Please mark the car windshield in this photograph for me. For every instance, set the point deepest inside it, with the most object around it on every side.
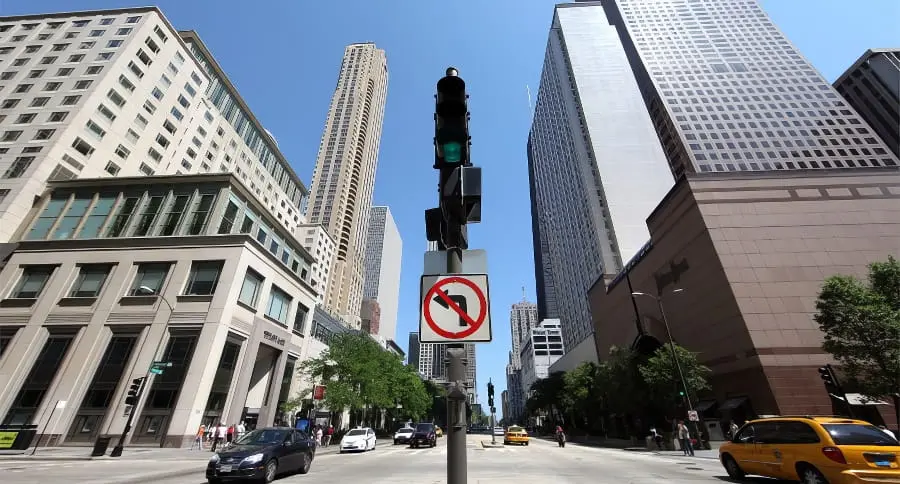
(356, 432)
(424, 428)
(263, 437)
(405, 430)
(857, 434)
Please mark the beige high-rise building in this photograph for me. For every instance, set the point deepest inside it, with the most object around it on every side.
(344, 177)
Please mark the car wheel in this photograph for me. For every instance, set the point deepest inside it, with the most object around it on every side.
(732, 468)
(305, 463)
(526, 443)
(271, 470)
(396, 443)
(810, 475)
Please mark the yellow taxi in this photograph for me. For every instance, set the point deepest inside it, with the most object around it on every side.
(813, 450)
(515, 435)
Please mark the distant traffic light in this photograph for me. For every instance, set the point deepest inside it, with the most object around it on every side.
(827, 374)
(135, 391)
(451, 122)
(490, 394)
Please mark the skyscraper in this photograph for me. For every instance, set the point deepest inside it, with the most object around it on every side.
(344, 177)
(412, 358)
(523, 316)
(648, 89)
(122, 93)
(384, 251)
(729, 92)
(595, 163)
(872, 86)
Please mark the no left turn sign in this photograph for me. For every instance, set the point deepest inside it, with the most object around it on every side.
(455, 308)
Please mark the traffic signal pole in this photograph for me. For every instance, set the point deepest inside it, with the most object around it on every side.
(459, 185)
(138, 391)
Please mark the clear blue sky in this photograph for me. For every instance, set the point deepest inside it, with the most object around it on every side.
(284, 55)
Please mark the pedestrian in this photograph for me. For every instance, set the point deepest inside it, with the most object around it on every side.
(733, 429)
(319, 435)
(657, 437)
(198, 439)
(215, 436)
(328, 433)
(684, 437)
(229, 434)
(241, 429)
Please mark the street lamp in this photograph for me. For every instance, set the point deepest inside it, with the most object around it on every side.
(144, 291)
(662, 312)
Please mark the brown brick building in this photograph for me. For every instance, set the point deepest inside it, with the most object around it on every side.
(750, 252)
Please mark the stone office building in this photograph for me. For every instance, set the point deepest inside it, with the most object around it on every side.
(749, 253)
(110, 275)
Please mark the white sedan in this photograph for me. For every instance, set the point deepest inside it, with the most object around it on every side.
(499, 431)
(358, 439)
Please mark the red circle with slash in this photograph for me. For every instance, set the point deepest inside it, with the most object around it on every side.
(474, 323)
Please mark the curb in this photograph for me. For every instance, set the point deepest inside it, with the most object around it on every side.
(29, 457)
(159, 475)
(488, 445)
(685, 456)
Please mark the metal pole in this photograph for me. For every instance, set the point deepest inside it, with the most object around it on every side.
(684, 385)
(456, 407)
(117, 450)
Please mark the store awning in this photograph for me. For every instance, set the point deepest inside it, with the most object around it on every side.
(732, 403)
(860, 399)
(705, 405)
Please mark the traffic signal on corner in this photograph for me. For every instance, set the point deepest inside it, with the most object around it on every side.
(135, 391)
(827, 374)
(490, 394)
(451, 122)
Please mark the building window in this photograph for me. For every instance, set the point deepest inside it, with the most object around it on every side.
(18, 167)
(174, 215)
(300, 318)
(101, 211)
(151, 211)
(82, 147)
(279, 305)
(32, 282)
(229, 218)
(149, 279)
(48, 217)
(250, 288)
(90, 280)
(204, 278)
(76, 211)
(112, 168)
(201, 214)
(117, 228)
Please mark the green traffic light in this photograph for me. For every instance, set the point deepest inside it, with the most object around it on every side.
(681, 394)
(452, 152)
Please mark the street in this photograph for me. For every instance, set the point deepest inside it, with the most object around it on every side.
(540, 462)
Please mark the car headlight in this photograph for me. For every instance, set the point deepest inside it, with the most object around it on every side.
(253, 459)
(214, 458)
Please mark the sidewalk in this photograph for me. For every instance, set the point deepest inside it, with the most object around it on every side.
(129, 453)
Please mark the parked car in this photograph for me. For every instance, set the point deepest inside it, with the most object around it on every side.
(403, 435)
(262, 454)
(358, 439)
(499, 432)
(425, 434)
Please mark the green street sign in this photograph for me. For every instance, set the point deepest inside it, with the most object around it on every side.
(156, 371)
(162, 364)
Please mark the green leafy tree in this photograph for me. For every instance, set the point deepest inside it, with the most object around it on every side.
(582, 387)
(861, 322)
(661, 375)
(624, 387)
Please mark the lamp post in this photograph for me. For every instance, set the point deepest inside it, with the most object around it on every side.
(675, 359)
(117, 450)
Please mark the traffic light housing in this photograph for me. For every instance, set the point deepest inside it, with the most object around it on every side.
(828, 376)
(135, 391)
(451, 122)
(490, 394)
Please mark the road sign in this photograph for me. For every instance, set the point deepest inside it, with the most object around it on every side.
(455, 308)
(162, 364)
(156, 371)
(692, 416)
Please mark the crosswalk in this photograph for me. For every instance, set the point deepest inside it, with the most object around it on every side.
(442, 450)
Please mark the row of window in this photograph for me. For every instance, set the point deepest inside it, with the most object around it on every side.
(151, 277)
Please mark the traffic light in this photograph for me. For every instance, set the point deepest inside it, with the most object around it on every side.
(451, 122)
(490, 394)
(135, 391)
(827, 374)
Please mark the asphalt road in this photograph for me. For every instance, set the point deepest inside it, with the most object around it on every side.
(540, 462)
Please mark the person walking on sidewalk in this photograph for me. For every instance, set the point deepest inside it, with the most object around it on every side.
(328, 433)
(198, 439)
(684, 437)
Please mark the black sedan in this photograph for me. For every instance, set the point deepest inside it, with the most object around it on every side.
(424, 435)
(261, 455)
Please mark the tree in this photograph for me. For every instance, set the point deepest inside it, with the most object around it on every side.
(361, 375)
(662, 379)
(861, 322)
(582, 386)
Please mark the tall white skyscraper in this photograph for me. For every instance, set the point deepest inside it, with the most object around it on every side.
(522, 317)
(122, 93)
(344, 177)
(384, 253)
(596, 166)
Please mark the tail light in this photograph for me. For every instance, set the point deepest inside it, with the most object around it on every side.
(834, 454)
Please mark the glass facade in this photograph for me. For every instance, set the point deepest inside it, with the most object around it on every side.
(34, 388)
(729, 92)
(218, 394)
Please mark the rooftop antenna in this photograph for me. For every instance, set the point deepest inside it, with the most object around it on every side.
(528, 90)
(524, 298)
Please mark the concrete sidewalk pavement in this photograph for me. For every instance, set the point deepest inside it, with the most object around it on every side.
(70, 453)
